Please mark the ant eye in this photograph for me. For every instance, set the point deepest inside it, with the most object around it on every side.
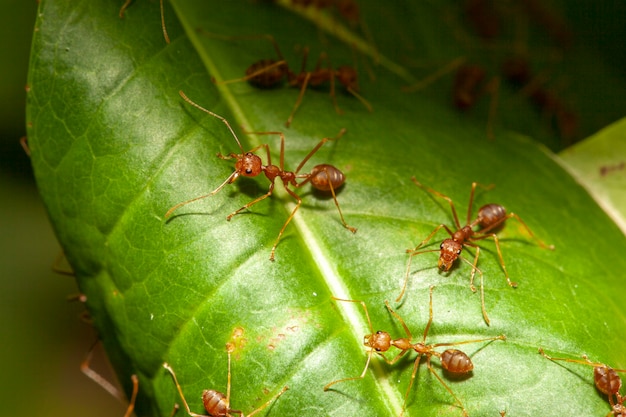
(458, 252)
(441, 246)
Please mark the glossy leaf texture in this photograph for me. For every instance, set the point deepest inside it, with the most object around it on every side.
(600, 164)
(114, 147)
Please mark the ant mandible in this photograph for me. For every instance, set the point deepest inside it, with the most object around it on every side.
(269, 73)
(452, 360)
(606, 379)
(490, 217)
(216, 403)
(323, 177)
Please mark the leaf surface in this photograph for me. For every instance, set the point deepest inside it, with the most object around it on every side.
(114, 147)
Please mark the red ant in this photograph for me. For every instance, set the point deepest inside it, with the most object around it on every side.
(452, 360)
(323, 177)
(165, 35)
(216, 403)
(269, 73)
(606, 379)
(489, 218)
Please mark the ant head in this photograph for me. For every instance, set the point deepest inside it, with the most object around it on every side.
(348, 77)
(248, 165)
(379, 341)
(450, 251)
(607, 380)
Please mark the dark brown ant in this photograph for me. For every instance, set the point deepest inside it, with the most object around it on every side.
(469, 85)
(323, 177)
(516, 71)
(489, 218)
(269, 73)
(606, 379)
(165, 35)
(452, 360)
(216, 403)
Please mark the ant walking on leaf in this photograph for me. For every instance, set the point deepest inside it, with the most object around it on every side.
(453, 361)
(269, 73)
(606, 379)
(216, 403)
(323, 177)
(489, 218)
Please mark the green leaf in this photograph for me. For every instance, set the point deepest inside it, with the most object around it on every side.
(114, 147)
(599, 163)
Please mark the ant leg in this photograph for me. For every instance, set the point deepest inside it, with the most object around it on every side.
(482, 283)
(371, 351)
(430, 314)
(408, 390)
(252, 74)
(445, 197)
(133, 397)
(367, 315)
(460, 404)
(267, 148)
(124, 7)
(305, 83)
(165, 35)
(362, 99)
(367, 364)
(96, 377)
(275, 397)
(530, 232)
(446, 69)
(397, 316)
(414, 252)
(471, 199)
(217, 116)
(497, 242)
(316, 148)
(229, 180)
(294, 195)
(332, 191)
(253, 202)
(24, 144)
(180, 391)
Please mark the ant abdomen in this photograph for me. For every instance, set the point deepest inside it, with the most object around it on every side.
(269, 73)
(456, 361)
(324, 175)
(490, 214)
(607, 380)
(216, 403)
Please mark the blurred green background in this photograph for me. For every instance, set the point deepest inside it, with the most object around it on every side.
(44, 339)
